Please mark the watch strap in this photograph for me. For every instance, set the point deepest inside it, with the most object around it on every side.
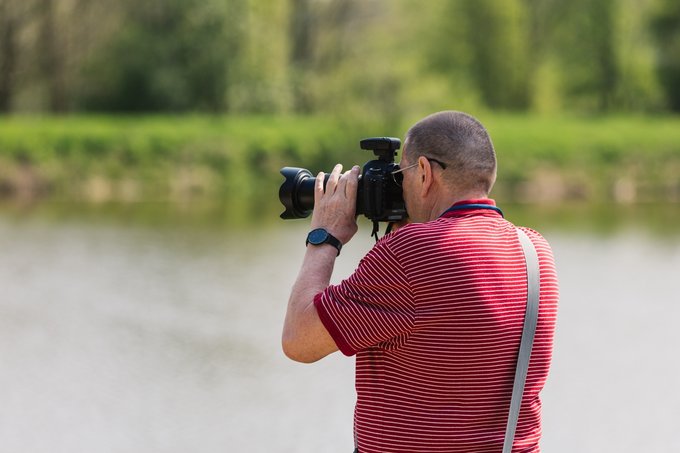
(329, 239)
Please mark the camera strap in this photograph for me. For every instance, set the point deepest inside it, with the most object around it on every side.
(527, 341)
(374, 233)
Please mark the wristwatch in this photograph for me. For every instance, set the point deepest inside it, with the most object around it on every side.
(320, 236)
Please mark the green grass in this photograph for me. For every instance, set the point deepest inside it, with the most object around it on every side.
(594, 158)
(135, 158)
(161, 155)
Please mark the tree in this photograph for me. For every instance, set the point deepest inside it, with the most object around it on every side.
(302, 38)
(666, 28)
(11, 20)
(320, 44)
(484, 44)
(170, 55)
(52, 56)
(586, 45)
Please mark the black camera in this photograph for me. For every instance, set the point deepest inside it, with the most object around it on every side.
(379, 195)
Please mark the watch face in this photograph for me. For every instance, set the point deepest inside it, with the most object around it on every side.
(317, 236)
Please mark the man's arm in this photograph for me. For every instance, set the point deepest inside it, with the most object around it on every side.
(305, 339)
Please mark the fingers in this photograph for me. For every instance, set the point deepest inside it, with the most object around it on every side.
(338, 183)
(318, 187)
(333, 179)
(351, 182)
(342, 183)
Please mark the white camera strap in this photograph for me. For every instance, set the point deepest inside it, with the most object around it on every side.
(528, 333)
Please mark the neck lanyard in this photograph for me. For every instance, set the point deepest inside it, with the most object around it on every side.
(462, 207)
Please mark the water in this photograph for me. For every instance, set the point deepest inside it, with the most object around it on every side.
(134, 336)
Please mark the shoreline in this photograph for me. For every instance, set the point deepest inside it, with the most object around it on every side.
(128, 159)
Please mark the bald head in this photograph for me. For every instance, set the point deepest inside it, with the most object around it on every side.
(461, 143)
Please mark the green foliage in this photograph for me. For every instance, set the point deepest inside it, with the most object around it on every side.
(479, 46)
(341, 57)
(593, 58)
(499, 55)
(170, 55)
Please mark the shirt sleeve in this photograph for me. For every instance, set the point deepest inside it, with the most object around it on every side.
(373, 307)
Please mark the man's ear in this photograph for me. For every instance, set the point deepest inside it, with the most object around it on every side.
(426, 175)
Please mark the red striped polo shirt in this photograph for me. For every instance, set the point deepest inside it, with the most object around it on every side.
(434, 313)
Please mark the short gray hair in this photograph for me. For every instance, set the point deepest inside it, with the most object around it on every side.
(461, 142)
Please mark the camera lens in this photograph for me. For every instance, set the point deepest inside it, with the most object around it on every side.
(297, 192)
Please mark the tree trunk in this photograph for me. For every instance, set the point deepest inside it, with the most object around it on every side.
(52, 59)
(8, 55)
(301, 53)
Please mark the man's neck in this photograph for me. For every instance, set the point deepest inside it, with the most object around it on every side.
(444, 202)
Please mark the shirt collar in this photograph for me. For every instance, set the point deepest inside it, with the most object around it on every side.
(472, 206)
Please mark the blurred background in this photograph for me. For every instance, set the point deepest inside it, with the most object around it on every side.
(145, 272)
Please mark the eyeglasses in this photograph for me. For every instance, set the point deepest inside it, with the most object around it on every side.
(398, 177)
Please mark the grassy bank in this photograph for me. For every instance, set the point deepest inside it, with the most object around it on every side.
(106, 158)
(608, 158)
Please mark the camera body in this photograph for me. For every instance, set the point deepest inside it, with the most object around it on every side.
(379, 195)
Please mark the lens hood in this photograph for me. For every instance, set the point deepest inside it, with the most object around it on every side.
(295, 195)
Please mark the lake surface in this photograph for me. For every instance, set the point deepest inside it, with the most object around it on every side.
(123, 334)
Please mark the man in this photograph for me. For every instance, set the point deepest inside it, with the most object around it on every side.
(434, 312)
